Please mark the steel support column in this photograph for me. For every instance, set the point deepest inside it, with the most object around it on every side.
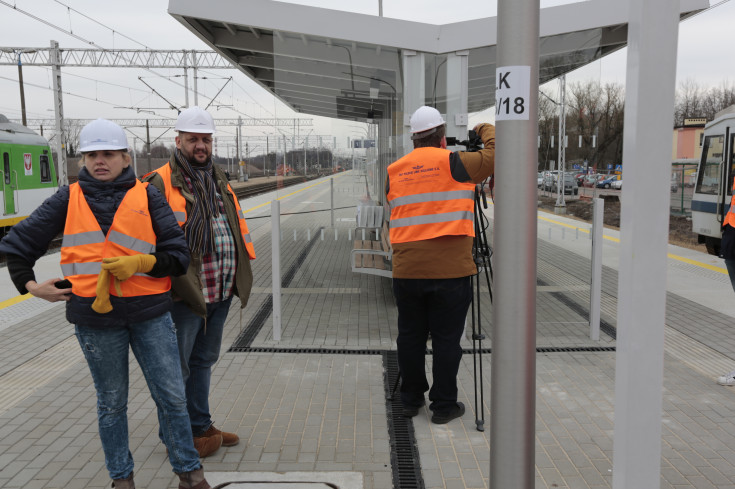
(414, 92)
(513, 383)
(457, 93)
(649, 115)
(59, 114)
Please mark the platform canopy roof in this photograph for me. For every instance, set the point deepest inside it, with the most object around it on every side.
(343, 65)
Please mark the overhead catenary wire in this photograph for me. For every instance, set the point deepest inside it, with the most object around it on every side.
(86, 41)
(101, 24)
(70, 32)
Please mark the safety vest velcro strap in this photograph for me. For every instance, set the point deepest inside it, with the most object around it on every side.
(85, 268)
(432, 197)
(431, 219)
(130, 242)
(247, 238)
(80, 239)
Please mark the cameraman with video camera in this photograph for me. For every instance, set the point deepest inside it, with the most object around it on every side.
(431, 196)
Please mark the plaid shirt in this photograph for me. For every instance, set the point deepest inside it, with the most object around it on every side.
(218, 268)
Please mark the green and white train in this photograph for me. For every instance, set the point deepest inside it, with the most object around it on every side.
(27, 172)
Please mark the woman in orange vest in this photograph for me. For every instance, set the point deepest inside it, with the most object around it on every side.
(121, 244)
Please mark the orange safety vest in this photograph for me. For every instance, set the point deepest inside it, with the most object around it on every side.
(730, 217)
(425, 201)
(84, 246)
(178, 204)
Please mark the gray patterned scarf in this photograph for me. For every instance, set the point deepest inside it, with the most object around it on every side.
(198, 228)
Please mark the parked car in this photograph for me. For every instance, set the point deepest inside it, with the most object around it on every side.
(550, 183)
(540, 179)
(607, 180)
(617, 184)
(591, 180)
(580, 178)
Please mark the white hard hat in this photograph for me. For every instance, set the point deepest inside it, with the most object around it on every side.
(424, 119)
(195, 119)
(102, 134)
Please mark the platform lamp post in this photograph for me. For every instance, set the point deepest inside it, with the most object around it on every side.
(513, 383)
(560, 204)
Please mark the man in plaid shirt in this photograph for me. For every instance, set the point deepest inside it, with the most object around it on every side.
(221, 249)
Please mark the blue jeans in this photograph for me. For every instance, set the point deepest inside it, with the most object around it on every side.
(154, 345)
(199, 344)
(439, 307)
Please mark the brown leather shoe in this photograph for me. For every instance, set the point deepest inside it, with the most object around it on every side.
(126, 483)
(193, 480)
(228, 439)
(207, 445)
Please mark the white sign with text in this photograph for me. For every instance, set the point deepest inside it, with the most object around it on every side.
(512, 93)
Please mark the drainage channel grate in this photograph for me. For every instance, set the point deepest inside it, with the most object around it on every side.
(318, 351)
(345, 351)
(605, 327)
(246, 338)
(404, 453)
(548, 349)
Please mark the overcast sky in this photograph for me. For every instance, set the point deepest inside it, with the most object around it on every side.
(705, 56)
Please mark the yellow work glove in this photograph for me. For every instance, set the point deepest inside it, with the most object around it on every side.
(124, 267)
(102, 303)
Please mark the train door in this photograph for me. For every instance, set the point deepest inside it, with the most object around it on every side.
(9, 184)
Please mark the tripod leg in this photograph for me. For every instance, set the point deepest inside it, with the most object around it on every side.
(477, 358)
(481, 254)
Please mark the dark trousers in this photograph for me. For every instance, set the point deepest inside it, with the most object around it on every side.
(439, 307)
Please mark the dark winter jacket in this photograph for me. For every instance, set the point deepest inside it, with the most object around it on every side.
(29, 239)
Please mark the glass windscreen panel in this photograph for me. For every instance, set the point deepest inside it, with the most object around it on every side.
(708, 180)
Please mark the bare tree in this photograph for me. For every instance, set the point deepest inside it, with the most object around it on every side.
(548, 120)
(72, 129)
(583, 119)
(161, 150)
(689, 102)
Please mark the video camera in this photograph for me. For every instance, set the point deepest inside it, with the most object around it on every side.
(472, 143)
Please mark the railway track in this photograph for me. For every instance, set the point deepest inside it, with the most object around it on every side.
(261, 188)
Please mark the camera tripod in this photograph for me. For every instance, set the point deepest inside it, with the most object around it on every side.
(481, 254)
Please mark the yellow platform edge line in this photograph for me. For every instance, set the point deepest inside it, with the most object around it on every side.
(682, 259)
(14, 300)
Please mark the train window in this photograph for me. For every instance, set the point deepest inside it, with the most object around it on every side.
(6, 167)
(708, 179)
(45, 171)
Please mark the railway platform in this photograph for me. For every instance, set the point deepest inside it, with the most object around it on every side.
(311, 408)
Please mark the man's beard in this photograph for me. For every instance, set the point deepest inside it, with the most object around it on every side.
(194, 162)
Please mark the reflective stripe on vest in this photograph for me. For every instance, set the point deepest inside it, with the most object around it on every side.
(244, 231)
(84, 245)
(178, 204)
(730, 216)
(425, 201)
(173, 194)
